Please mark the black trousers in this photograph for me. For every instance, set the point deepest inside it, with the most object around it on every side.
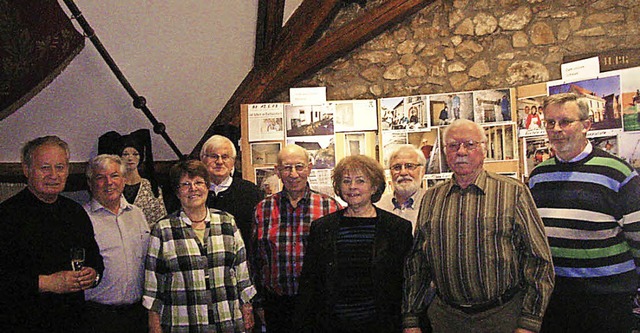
(100, 318)
(279, 312)
(589, 313)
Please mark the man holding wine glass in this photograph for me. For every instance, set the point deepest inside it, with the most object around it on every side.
(39, 227)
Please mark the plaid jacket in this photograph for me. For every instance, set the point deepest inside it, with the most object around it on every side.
(176, 275)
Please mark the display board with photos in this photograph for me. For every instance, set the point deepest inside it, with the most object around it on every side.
(336, 129)
(614, 109)
(329, 132)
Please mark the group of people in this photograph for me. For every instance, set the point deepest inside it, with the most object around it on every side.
(479, 253)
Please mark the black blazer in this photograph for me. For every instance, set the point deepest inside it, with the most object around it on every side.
(317, 294)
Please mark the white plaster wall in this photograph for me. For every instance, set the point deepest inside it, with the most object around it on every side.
(185, 56)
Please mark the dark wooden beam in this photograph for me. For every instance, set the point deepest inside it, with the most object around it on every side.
(269, 25)
(297, 54)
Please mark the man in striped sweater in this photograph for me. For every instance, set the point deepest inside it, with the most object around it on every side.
(589, 201)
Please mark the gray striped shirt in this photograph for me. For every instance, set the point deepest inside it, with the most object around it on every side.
(477, 243)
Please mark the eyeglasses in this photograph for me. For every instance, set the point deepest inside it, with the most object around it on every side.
(357, 181)
(187, 185)
(408, 166)
(468, 145)
(215, 157)
(551, 124)
(286, 169)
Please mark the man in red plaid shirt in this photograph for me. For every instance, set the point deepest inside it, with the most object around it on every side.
(280, 235)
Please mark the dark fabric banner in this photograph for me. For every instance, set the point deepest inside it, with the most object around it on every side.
(37, 41)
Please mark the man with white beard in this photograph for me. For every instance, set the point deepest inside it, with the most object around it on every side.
(407, 165)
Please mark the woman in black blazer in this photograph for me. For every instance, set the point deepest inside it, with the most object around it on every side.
(352, 275)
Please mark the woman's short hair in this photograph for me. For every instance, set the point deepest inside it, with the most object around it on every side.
(366, 165)
(190, 168)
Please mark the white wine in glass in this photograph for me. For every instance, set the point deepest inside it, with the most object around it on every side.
(77, 258)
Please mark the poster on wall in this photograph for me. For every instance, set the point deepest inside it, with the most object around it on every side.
(265, 122)
(630, 100)
(606, 143)
(321, 149)
(492, 106)
(308, 120)
(354, 115)
(446, 108)
(601, 95)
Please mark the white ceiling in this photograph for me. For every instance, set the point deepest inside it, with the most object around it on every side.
(186, 57)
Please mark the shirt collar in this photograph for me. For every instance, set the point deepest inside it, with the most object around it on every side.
(124, 205)
(410, 203)
(184, 218)
(479, 184)
(223, 186)
(585, 152)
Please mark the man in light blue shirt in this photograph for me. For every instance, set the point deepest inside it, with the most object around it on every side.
(122, 234)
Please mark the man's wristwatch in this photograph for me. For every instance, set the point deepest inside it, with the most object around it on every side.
(96, 281)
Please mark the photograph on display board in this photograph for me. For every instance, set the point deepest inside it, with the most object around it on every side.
(530, 116)
(354, 144)
(267, 180)
(607, 143)
(428, 143)
(601, 95)
(320, 180)
(308, 120)
(355, 115)
(446, 108)
(435, 179)
(630, 85)
(492, 106)
(500, 145)
(390, 141)
(321, 149)
(629, 148)
(416, 108)
(536, 150)
(265, 121)
(392, 115)
(265, 153)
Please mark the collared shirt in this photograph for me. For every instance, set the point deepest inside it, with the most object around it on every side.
(281, 236)
(407, 210)
(476, 244)
(217, 188)
(179, 268)
(583, 154)
(123, 239)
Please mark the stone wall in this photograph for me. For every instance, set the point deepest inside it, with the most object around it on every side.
(460, 45)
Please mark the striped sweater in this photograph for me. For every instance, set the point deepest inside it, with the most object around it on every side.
(591, 212)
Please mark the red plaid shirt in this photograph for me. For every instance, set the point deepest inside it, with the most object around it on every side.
(280, 236)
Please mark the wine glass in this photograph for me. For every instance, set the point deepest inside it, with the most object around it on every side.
(77, 258)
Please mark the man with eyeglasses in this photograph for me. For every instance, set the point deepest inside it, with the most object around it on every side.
(282, 224)
(480, 240)
(589, 201)
(233, 195)
(407, 166)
